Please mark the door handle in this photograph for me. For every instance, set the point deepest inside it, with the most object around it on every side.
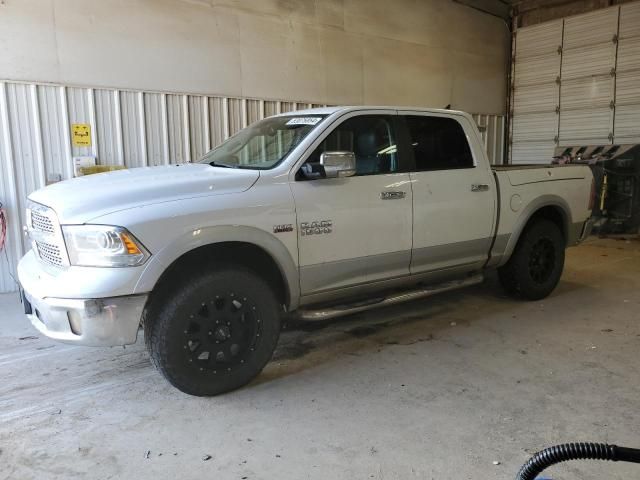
(392, 195)
(479, 187)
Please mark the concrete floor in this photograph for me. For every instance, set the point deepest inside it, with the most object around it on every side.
(437, 389)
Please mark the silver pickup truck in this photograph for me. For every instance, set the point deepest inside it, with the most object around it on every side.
(319, 213)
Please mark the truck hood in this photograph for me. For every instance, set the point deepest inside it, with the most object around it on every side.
(85, 198)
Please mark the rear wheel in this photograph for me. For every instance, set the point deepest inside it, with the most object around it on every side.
(214, 333)
(536, 265)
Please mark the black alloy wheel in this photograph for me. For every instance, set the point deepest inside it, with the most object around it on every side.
(215, 332)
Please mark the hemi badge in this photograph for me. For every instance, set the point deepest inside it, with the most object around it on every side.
(287, 227)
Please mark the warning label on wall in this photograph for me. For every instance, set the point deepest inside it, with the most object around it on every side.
(81, 134)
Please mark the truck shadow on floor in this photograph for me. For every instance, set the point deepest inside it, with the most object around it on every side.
(305, 345)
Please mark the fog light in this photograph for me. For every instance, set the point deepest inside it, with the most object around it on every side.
(92, 307)
(75, 322)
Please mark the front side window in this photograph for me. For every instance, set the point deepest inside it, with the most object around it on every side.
(264, 144)
(370, 137)
(438, 143)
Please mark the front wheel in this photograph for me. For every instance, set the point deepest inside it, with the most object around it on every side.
(215, 332)
(535, 266)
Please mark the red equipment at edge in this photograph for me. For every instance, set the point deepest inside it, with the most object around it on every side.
(3, 227)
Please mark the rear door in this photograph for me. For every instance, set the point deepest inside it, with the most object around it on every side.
(355, 230)
(453, 194)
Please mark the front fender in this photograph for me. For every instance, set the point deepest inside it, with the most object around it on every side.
(191, 240)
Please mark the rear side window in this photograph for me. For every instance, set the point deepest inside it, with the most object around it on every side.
(438, 143)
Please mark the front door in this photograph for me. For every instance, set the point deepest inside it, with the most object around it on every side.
(354, 230)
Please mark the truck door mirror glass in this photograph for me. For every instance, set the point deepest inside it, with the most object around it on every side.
(338, 164)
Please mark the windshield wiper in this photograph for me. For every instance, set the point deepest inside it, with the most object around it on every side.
(223, 165)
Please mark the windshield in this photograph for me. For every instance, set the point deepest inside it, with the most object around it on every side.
(264, 144)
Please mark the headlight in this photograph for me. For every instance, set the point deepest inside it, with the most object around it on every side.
(103, 246)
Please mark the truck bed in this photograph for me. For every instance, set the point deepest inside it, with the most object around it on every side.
(536, 173)
(523, 189)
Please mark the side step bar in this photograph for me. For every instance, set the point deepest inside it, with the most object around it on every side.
(346, 309)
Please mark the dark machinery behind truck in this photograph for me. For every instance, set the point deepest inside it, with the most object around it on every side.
(616, 170)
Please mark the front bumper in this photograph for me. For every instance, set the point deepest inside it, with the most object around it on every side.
(70, 305)
(102, 322)
(586, 229)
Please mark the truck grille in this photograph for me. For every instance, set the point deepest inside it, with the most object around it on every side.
(41, 222)
(49, 253)
(46, 235)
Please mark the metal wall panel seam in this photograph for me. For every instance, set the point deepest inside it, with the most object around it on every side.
(244, 113)
(64, 108)
(205, 123)
(143, 129)
(91, 103)
(502, 143)
(37, 129)
(494, 143)
(165, 128)
(187, 132)
(225, 117)
(118, 122)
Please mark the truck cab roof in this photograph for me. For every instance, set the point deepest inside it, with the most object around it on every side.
(355, 108)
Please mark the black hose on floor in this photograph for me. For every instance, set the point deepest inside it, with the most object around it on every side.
(575, 451)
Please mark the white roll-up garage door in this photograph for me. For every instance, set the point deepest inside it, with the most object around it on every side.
(596, 89)
(587, 78)
(536, 92)
(627, 116)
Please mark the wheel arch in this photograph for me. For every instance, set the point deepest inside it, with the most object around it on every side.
(551, 207)
(247, 246)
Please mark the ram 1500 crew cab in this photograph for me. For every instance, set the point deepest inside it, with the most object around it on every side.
(319, 212)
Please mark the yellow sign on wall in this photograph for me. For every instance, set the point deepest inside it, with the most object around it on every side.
(81, 134)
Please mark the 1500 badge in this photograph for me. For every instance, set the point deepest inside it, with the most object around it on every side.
(316, 228)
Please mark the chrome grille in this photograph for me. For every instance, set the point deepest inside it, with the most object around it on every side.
(49, 253)
(46, 235)
(41, 222)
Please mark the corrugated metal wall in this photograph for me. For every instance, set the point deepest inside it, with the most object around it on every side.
(492, 129)
(130, 128)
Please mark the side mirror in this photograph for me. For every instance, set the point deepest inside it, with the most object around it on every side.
(338, 164)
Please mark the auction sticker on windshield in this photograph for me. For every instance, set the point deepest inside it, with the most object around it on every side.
(304, 121)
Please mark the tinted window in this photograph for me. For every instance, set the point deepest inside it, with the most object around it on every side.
(370, 137)
(438, 143)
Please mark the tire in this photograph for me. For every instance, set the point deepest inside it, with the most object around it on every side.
(215, 332)
(536, 265)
